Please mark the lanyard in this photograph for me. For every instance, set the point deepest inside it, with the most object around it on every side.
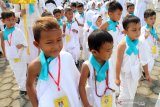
(58, 80)
(9, 42)
(107, 87)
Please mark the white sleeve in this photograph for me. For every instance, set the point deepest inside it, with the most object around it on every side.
(144, 59)
(21, 37)
(17, 10)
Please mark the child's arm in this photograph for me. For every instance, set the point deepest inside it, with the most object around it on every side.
(2, 44)
(82, 85)
(120, 53)
(33, 72)
(82, 25)
(145, 68)
(104, 26)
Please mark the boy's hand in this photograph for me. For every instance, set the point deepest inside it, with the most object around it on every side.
(118, 82)
(23, 12)
(147, 32)
(148, 78)
(19, 46)
(74, 30)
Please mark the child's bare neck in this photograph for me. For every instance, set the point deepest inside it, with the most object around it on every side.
(101, 62)
(69, 20)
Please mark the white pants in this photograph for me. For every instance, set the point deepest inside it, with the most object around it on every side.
(20, 72)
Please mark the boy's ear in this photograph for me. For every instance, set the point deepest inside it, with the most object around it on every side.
(94, 52)
(36, 44)
(3, 20)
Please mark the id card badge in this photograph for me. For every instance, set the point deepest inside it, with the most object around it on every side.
(68, 38)
(106, 101)
(61, 102)
(154, 49)
(16, 60)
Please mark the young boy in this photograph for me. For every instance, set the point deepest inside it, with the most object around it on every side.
(58, 76)
(148, 34)
(14, 47)
(46, 14)
(112, 26)
(96, 72)
(74, 8)
(80, 19)
(57, 15)
(131, 55)
(130, 8)
(71, 39)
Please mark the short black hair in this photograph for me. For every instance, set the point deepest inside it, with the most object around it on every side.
(130, 5)
(7, 14)
(56, 11)
(80, 5)
(73, 4)
(67, 9)
(129, 19)
(44, 14)
(97, 38)
(149, 12)
(114, 5)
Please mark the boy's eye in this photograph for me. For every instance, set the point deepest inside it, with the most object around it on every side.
(48, 42)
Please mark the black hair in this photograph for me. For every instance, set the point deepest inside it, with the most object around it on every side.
(73, 4)
(56, 11)
(114, 5)
(51, 1)
(148, 13)
(130, 19)
(97, 38)
(7, 14)
(130, 5)
(44, 14)
(80, 5)
(67, 9)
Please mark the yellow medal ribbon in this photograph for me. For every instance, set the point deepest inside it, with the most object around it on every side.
(68, 38)
(25, 29)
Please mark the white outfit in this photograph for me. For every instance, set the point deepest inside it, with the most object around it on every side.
(80, 20)
(12, 53)
(150, 42)
(140, 7)
(47, 90)
(30, 19)
(72, 45)
(50, 7)
(117, 37)
(93, 99)
(130, 75)
(41, 6)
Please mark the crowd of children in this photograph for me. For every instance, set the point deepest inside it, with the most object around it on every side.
(116, 40)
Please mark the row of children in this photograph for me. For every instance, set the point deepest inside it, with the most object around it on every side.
(111, 54)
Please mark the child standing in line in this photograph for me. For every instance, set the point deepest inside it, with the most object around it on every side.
(14, 46)
(112, 26)
(58, 76)
(57, 15)
(130, 9)
(96, 72)
(131, 55)
(148, 34)
(80, 19)
(71, 38)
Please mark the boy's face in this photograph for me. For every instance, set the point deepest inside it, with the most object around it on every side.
(130, 9)
(99, 21)
(93, 6)
(151, 20)
(9, 22)
(133, 30)
(80, 10)
(50, 42)
(57, 16)
(104, 52)
(69, 15)
(116, 15)
(73, 8)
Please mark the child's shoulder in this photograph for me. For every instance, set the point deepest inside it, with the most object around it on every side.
(65, 55)
(35, 66)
